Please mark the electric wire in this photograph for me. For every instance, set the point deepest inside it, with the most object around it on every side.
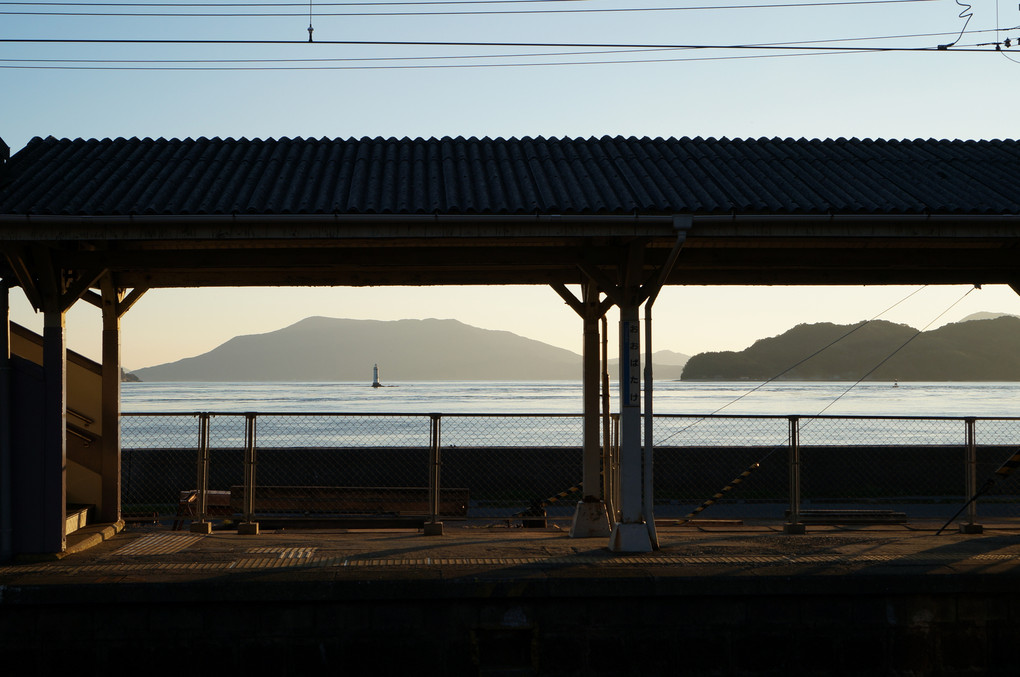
(448, 13)
(813, 48)
(421, 66)
(998, 41)
(452, 43)
(797, 364)
(311, 60)
(807, 49)
(278, 4)
(755, 466)
(335, 59)
(890, 356)
(966, 13)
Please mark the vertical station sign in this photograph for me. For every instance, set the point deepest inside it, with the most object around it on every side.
(632, 367)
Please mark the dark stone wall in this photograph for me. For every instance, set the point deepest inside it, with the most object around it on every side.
(684, 476)
(903, 626)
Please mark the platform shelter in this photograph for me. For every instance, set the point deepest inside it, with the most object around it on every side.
(103, 221)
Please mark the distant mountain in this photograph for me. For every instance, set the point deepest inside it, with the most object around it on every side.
(974, 350)
(986, 316)
(329, 349)
(669, 358)
(667, 365)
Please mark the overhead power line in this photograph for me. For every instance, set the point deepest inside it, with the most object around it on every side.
(436, 43)
(279, 4)
(443, 66)
(505, 55)
(470, 12)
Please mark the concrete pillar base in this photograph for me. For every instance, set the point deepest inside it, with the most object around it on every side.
(794, 529)
(248, 529)
(433, 528)
(972, 529)
(200, 528)
(631, 537)
(591, 520)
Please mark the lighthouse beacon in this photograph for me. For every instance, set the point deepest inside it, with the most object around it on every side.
(375, 377)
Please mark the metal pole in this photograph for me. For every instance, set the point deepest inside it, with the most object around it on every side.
(6, 498)
(590, 378)
(971, 526)
(434, 527)
(648, 455)
(201, 526)
(681, 224)
(615, 451)
(608, 458)
(249, 526)
(630, 534)
(591, 518)
(793, 525)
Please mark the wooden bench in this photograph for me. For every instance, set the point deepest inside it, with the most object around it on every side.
(304, 500)
(855, 517)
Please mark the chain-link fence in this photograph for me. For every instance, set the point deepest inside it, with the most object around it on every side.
(505, 467)
(910, 466)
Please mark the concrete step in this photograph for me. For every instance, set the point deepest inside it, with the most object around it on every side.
(77, 517)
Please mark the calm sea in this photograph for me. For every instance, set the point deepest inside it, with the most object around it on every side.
(564, 397)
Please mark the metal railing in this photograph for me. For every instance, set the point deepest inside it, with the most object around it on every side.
(497, 467)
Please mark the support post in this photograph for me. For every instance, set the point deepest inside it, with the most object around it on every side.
(648, 449)
(609, 469)
(202, 525)
(591, 520)
(54, 491)
(971, 526)
(249, 527)
(434, 527)
(110, 505)
(6, 453)
(630, 534)
(793, 524)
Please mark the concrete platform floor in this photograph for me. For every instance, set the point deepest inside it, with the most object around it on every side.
(152, 554)
(718, 599)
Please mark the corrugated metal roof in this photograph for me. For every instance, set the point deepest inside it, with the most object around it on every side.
(609, 175)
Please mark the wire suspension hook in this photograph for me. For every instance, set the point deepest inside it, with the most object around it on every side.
(966, 13)
(310, 28)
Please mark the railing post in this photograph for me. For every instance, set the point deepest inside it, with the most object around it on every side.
(433, 527)
(793, 524)
(613, 459)
(202, 525)
(971, 526)
(249, 526)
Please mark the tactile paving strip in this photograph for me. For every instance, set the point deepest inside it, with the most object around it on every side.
(285, 553)
(158, 544)
(300, 557)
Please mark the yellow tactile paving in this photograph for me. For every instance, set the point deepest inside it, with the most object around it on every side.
(159, 544)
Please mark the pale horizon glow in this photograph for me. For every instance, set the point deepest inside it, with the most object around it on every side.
(170, 324)
(889, 95)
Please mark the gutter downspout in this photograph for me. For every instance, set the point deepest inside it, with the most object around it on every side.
(681, 225)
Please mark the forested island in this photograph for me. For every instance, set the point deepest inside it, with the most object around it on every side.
(972, 350)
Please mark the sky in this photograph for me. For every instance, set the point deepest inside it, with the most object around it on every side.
(157, 89)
